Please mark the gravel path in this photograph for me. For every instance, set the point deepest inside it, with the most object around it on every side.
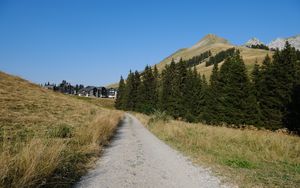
(136, 158)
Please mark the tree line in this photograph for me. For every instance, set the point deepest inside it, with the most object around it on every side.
(196, 60)
(269, 97)
(219, 57)
(259, 46)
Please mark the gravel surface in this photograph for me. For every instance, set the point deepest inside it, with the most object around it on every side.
(136, 158)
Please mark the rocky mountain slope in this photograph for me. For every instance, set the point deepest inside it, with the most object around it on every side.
(280, 42)
(253, 42)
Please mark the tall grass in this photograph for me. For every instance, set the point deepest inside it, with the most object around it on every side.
(249, 158)
(48, 139)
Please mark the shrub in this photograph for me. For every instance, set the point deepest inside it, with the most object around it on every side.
(62, 131)
(159, 116)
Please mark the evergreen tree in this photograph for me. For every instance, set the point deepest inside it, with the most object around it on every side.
(179, 82)
(292, 119)
(119, 104)
(128, 100)
(167, 99)
(135, 90)
(156, 86)
(236, 101)
(276, 87)
(293, 116)
(147, 92)
(211, 111)
(193, 96)
(255, 82)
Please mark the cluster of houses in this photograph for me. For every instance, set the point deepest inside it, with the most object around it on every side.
(80, 90)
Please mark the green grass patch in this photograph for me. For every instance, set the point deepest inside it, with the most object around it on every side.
(238, 163)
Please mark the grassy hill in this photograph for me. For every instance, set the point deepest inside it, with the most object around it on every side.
(48, 138)
(215, 44)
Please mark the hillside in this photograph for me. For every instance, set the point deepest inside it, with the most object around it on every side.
(46, 137)
(215, 44)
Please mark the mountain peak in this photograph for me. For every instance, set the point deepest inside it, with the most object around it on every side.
(280, 42)
(210, 39)
(253, 41)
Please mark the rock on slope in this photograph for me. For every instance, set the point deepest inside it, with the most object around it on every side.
(280, 42)
(253, 41)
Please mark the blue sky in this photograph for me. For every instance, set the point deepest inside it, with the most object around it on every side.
(94, 42)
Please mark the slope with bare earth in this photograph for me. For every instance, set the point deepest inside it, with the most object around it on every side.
(48, 138)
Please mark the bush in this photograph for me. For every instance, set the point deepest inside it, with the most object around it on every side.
(62, 131)
(159, 116)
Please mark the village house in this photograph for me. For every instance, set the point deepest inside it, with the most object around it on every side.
(112, 93)
(49, 86)
(92, 91)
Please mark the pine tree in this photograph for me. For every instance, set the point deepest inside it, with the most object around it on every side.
(147, 92)
(156, 86)
(235, 96)
(255, 87)
(292, 118)
(135, 87)
(211, 110)
(178, 89)
(119, 104)
(276, 87)
(128, 93)
(167, 99)
(193, 96)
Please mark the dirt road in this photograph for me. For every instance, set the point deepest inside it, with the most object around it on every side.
(136, 158)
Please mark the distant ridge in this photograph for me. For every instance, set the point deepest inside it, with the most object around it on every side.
(280, 42)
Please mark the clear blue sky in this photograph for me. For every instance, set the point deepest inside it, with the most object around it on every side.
(94, 42)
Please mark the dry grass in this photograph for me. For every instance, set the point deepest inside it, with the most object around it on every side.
(101, 102)
(249, 158)
(48, 139)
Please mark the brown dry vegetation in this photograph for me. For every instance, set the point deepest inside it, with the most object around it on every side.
(249, 158)
(101, 102)
(48, 139)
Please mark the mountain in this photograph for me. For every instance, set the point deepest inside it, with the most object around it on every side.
(280, 42)
(215, 44)
(253, 42)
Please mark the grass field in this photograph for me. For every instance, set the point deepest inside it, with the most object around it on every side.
(46, 138)
(101, 102)
(248, 158)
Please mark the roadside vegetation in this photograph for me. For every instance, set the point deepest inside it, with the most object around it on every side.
(101, 102)
(48, 139)
(248, 158)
